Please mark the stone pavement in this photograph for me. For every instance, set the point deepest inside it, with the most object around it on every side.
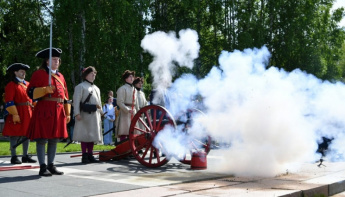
(129, 178)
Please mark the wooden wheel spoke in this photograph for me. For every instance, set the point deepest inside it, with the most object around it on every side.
(145, 125)
(149, 120)
(160, 120)
(154, 118)
(145, 153)
(154, 152)
(139, 129)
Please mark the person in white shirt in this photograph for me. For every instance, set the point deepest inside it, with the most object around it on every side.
(109, 114)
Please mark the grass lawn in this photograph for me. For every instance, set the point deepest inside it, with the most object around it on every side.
(5, 148)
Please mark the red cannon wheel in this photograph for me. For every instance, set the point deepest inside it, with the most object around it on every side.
(194, 144)
(145, 125)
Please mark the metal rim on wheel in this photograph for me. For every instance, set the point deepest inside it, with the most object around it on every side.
(145, 125)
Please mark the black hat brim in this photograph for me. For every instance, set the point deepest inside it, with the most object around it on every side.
(17, 66)
(56, 52)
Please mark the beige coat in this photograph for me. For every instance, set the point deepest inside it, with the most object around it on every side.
(89, 128)
(141, 102)
(124, 99)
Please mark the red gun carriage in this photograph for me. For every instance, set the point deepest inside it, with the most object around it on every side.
(154, 119)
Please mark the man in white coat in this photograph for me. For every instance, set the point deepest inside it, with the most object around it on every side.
(141, 99)
(126, 96)
(88, 124)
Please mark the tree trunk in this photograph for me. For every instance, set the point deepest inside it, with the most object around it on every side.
(82, 49)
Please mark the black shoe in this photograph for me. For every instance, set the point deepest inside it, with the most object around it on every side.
(52, 169)
(92, 159)
(85, 158)
(15, 160)
(27, 159)
(44, 171)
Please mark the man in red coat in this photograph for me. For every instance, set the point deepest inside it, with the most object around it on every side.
(19, 106)
(52, 112)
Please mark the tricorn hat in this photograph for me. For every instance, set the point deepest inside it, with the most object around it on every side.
(17, 66)
(56, 52)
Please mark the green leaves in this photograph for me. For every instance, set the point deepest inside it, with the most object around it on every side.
(107, 34)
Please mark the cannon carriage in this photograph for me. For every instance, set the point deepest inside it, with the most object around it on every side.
(146, 125)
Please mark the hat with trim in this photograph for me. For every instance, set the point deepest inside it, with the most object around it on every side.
(17, 66)
(56, 52)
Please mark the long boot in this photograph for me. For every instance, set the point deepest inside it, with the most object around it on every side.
(92, 159)
(43, 170)
(85, 158)
(52, 169)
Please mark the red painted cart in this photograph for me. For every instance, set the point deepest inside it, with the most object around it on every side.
(145, 126)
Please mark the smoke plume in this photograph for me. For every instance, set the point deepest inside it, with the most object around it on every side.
(169, 51)
(271, 120)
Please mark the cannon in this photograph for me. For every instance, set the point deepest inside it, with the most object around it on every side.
(147, 123)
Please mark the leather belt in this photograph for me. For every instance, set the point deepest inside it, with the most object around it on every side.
(59, 100)
(26, 103)
(128, 105)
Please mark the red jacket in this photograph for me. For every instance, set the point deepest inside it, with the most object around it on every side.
(48, 120)
(15, 94)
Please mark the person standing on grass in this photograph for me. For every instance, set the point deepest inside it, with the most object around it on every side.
(19, 106)
(52, 112)
(87, 111)
(109, 114)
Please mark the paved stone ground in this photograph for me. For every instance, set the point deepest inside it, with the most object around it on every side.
(129, 178)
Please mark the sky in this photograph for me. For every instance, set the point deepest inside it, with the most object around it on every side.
(338, 4)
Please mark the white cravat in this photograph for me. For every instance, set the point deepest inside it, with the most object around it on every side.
(20, 80)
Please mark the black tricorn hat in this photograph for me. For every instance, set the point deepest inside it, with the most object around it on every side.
(17, 66)
(45, 53)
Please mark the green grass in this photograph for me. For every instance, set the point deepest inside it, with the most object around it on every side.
(5, 148)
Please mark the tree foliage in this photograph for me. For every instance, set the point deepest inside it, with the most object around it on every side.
(107, 34)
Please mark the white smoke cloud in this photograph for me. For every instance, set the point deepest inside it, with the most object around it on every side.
(168, 52)
(271, 118)
(259, 112)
